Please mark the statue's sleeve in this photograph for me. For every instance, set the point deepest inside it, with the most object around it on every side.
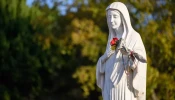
(100, 70)
(139, 73)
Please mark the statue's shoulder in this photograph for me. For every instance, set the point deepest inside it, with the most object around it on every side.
(135, 34)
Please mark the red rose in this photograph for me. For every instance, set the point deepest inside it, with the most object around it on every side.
(114, 41)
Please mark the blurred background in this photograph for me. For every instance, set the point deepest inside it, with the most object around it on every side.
(49, 48)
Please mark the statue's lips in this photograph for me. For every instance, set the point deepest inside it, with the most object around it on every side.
(112, 24)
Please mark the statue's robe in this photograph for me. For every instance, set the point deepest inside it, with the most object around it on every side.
(118, 79)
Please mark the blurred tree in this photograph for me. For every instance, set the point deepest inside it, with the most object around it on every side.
(27, 46)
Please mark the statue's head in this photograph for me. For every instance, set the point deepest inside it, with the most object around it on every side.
(117, 18)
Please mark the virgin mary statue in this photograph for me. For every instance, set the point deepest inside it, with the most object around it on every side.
(121, 70)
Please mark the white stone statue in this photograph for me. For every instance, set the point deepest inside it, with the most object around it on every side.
(121, 71)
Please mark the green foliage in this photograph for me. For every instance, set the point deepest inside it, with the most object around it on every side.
(45, 55)
(91, 40)
(85, 76)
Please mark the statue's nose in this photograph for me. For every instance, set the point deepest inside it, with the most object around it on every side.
(112, 19)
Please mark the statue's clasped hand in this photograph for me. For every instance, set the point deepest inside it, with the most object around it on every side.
(132, 54)
(125, 51)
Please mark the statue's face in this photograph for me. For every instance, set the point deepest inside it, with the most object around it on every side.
(114, 19)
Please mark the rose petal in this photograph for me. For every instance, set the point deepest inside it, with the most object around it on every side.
(113, 42)
(115, 39)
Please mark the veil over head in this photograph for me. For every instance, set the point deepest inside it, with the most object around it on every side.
(124, 14)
